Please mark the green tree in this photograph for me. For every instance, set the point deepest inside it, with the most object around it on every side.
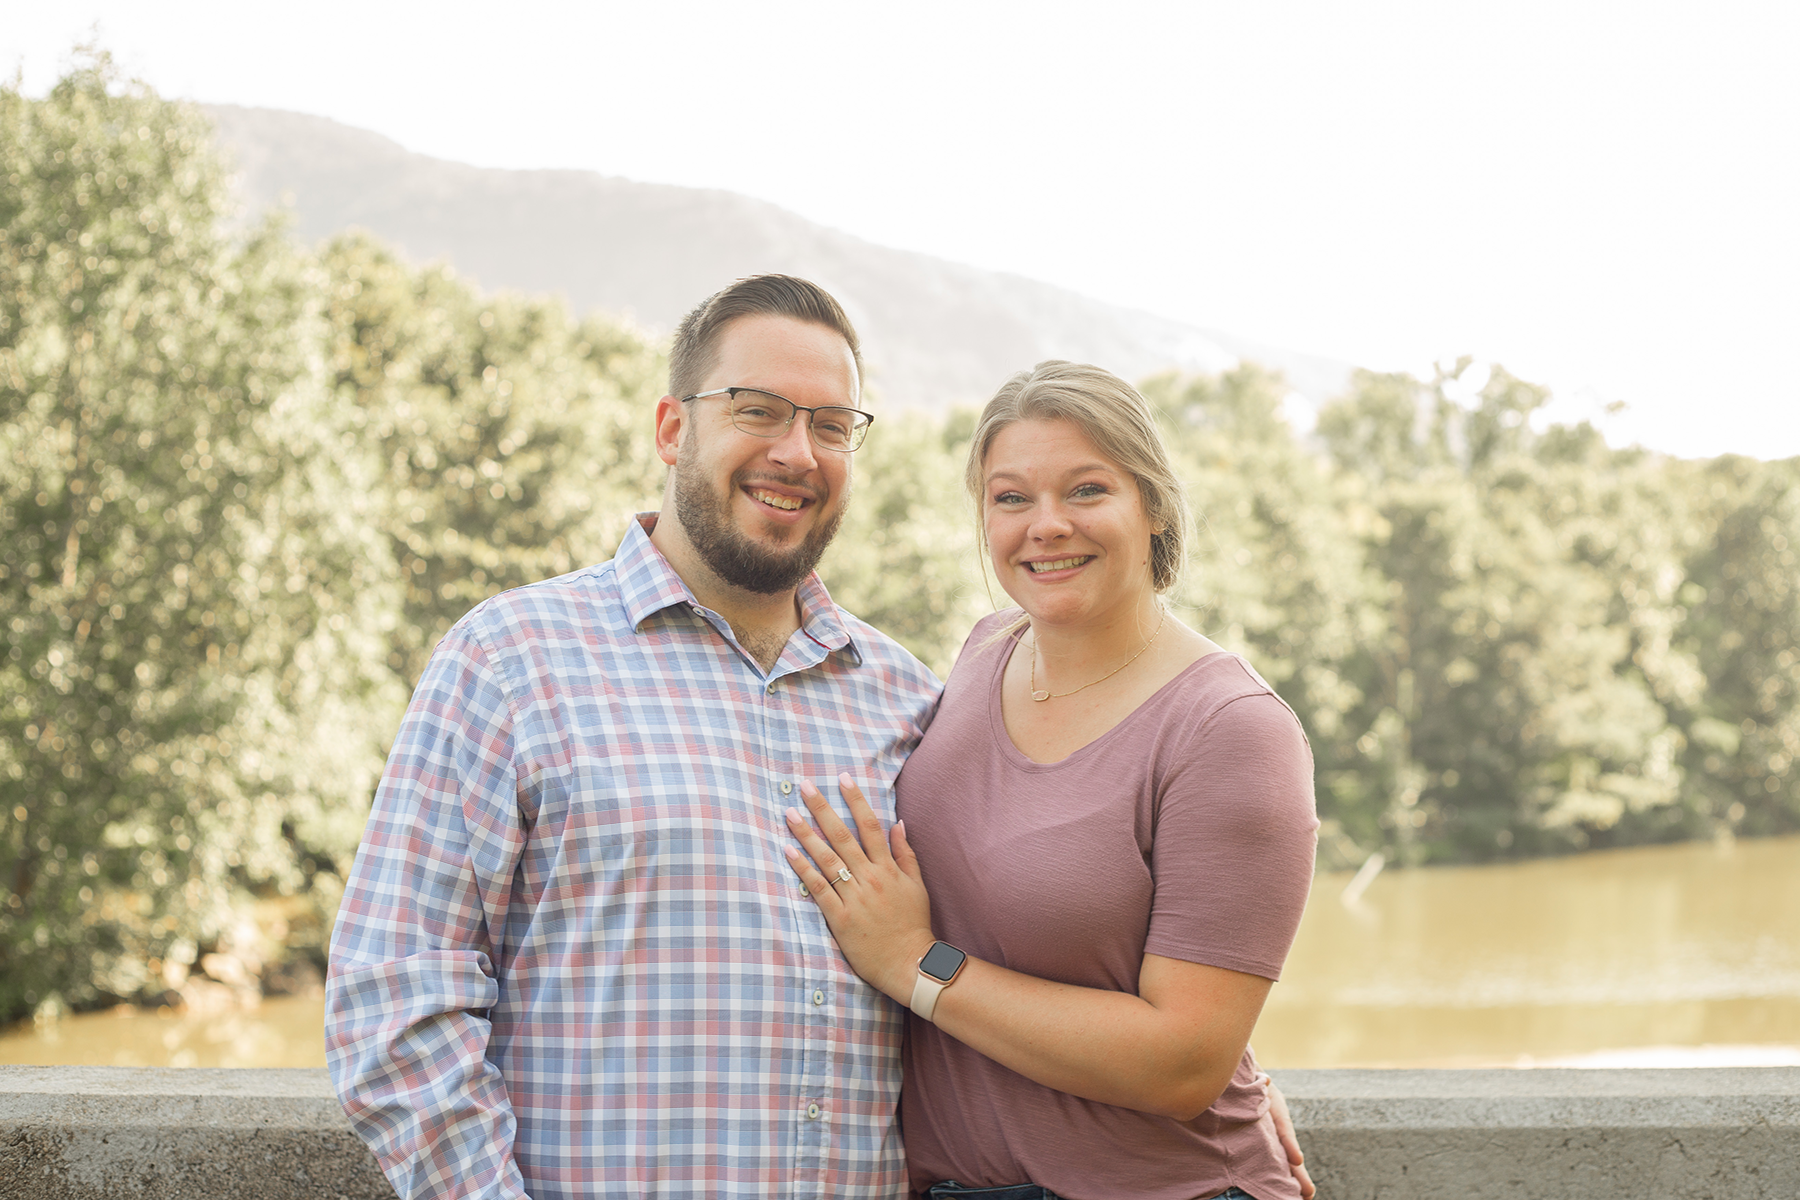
(186, 583)
(1276, 570)
(1744, 625)
(907, 558)
(1513, 699)
(514, 442)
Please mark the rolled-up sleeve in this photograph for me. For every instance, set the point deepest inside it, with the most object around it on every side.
(413, 966)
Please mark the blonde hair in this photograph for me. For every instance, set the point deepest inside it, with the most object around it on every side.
(1121, 424)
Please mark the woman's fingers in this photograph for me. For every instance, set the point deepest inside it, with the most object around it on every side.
(816, 885)
(1284, 1130)
(868, 825)
(904, 858)
(824, 854)
(842, 840)
(866, 842)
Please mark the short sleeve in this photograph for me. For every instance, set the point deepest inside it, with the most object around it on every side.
(1234, 838)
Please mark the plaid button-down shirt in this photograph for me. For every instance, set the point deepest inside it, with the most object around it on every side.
(571, 960)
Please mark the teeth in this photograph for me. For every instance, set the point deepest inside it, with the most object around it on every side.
(770, 498)
(1061, 564)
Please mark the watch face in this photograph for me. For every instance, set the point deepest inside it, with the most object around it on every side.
(941, 961)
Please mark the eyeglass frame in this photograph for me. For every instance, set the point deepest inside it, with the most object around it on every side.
(868, 417)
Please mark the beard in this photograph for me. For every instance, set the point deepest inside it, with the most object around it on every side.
(705, 516)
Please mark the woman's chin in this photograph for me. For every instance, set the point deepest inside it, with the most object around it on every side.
(1048, 615)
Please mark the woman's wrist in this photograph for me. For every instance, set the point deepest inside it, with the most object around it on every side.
(905, 971)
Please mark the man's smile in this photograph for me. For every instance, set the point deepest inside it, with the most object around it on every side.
(776, 500)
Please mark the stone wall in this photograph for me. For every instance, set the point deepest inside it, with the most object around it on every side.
(1550, 1135)
(82, 1133)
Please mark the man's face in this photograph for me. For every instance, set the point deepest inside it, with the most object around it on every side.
(760, 511)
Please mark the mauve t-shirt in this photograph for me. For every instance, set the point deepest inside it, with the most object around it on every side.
(1187, 831)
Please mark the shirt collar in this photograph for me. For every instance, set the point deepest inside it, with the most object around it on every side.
(648, 585)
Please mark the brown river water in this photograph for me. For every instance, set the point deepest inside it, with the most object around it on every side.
(1666, 955)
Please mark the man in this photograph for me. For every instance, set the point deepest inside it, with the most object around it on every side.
(571, 958)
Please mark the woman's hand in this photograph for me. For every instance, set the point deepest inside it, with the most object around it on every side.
(881, 915)
(1284, 1129)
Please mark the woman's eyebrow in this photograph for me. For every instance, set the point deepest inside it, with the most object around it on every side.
(1081, 470)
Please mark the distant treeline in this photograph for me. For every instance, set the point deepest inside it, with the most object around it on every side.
(244, 487)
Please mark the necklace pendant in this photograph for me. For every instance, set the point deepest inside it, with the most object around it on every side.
(1040, 696)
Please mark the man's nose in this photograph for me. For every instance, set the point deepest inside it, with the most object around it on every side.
(794, 448)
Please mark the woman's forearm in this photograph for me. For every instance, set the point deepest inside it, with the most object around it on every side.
(1170, 1050)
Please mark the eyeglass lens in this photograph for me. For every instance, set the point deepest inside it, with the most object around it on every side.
(767, 415)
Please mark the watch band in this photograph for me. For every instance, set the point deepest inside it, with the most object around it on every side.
(926, 991)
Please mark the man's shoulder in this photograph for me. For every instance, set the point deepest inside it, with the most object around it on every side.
(877, 651)
(584, 600)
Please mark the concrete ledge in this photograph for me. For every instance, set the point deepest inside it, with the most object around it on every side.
(131, 1133)
(82, 1133)
(1550, 1135)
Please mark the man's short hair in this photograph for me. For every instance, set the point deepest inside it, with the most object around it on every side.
(696, 347)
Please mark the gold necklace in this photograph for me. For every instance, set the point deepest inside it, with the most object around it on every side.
(1042, 696)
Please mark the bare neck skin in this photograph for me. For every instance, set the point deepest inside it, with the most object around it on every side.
(761, 623)
(1068, 655)
(1066, 658)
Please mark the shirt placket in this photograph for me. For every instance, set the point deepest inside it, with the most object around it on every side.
(812, 990)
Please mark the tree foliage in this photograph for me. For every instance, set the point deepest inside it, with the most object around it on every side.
(244, 488)
(187, 584)
(512, 442)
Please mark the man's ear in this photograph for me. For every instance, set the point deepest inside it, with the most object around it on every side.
(671, 420)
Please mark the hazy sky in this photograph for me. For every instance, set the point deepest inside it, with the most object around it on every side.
(1602, 196)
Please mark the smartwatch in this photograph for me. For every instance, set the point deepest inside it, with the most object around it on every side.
(937, 971)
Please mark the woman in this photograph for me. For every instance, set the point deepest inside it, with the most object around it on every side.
(1115, 820)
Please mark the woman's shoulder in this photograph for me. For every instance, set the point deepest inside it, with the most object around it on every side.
(992, 635)
(1223, 690)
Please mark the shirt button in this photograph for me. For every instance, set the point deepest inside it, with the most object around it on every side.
(812, 1112)
(771, 688)
(818, 996)
(786, 787)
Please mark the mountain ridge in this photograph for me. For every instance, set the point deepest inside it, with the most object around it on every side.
(936, 334)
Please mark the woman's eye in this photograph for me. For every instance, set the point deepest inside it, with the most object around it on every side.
(1008, 498)
(1091, 489)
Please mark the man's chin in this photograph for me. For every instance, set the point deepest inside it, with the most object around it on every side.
(750, 551)
(754, 568)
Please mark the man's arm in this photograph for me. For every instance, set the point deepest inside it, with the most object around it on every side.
(413, 967)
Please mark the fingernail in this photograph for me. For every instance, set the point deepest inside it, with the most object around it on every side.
(793, 814)
(844, 780)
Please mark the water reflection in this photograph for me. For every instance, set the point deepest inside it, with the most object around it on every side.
(1657, 956)
(1667, 946)
(284, 1031)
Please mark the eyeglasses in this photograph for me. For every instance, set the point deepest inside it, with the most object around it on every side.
(766, 415)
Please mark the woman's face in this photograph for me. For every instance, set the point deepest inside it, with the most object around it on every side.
(1066, 527)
